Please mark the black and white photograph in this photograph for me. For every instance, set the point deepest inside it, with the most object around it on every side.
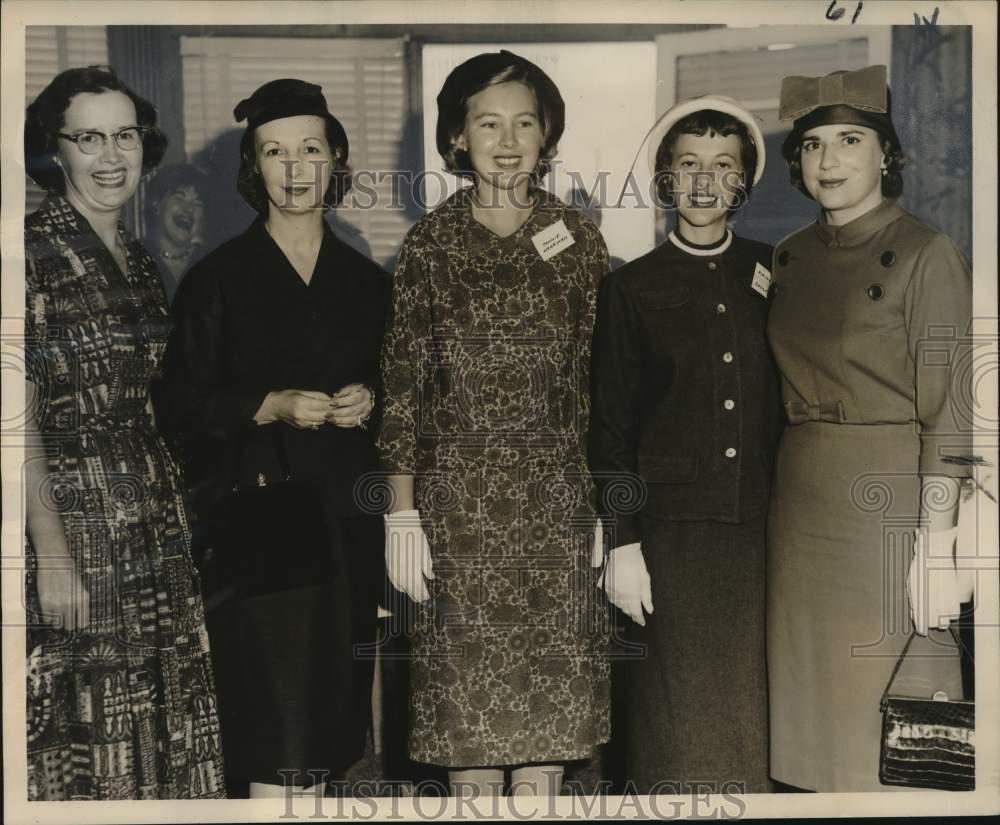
(467, 410)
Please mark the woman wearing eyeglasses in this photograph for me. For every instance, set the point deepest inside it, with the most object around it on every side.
(120, 694)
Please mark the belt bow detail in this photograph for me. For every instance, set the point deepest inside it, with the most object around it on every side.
(799, 412)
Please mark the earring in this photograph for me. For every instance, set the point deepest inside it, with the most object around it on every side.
(885, 172)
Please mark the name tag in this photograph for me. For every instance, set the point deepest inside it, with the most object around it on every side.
(552, 240)
(761, 279)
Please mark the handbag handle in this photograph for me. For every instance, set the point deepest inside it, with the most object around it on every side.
(899, 662)
(279, 451)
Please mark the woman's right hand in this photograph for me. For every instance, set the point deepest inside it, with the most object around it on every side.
(626, 581)
(408, 554)
(62, 595)
(303, 409)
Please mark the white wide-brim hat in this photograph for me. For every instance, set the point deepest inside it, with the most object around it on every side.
(718, 103)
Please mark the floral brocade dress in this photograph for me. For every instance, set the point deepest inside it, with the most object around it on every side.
(125, 708)
(486, 371)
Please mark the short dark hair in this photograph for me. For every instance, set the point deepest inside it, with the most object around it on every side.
(479, 73)
(176, 176)
(706, 122)
(251, 185)
(892, 180)
(46, 116)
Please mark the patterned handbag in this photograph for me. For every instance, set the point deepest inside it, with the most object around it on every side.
(927, 743)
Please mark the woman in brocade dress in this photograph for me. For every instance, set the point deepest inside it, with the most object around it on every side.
(121, 697)
(486, 371)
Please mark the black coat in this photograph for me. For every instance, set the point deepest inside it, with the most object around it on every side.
(285, 637)
(686, 408)
(245, 324)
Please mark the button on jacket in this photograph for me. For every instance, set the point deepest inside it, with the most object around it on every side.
(685, 410)
(871, 327)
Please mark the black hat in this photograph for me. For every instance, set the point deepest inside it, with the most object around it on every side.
(475, 74)
(288, 97)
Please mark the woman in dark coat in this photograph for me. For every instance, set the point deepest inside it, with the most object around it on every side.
(684, 422)
(267, 375)
(865, 325)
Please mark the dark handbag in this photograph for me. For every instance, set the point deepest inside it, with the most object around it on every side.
(271, 534)
(927, 743)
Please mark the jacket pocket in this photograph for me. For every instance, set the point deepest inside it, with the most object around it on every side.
(665, 298)
(663, 470)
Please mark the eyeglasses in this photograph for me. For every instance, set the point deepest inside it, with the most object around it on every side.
(92, 142)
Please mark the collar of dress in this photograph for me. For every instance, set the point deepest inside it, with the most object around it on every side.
(858, 230)
(677, 241)
(56, 209)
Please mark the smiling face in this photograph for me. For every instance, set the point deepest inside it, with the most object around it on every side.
(706, 176)
(182, 216)
(503, 136)
(99, 184)
(842, 169)
(295, 162)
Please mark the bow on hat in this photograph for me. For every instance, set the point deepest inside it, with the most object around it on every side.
(863, 89)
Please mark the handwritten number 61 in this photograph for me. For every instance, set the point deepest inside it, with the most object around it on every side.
(834, 13)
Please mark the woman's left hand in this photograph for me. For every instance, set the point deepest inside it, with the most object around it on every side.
(350, 406)
(933, 581)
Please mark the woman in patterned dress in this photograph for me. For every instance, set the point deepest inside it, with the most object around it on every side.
(486, 372)
(121, 700)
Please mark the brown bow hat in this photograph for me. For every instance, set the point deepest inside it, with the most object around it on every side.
(860, 97)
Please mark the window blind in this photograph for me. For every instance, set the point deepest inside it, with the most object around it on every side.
(364, 84)
(49, 50)
(753, 75)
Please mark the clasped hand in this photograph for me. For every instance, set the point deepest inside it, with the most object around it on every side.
(310, 409)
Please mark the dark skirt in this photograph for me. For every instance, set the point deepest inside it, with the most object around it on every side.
(294, 666)
(844, 506)
(695, 696)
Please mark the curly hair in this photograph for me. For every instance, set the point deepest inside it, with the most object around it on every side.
(46, 116)
(702, 122)
(892, 180)
(479, 73)
(250, 183)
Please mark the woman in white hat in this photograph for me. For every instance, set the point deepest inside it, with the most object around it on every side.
(685, 418)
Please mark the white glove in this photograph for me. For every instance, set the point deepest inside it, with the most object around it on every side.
(933, 583)
(626, 581)
(407, 554)
(597, 554)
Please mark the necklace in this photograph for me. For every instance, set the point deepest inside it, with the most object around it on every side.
(176, 256)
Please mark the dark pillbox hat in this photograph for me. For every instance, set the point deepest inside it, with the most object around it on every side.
(477, 72)
(288, 97)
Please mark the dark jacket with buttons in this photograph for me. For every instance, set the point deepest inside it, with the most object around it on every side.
(685, 400)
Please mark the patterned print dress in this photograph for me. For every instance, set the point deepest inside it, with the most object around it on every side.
(124, 709)
(486, 372)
